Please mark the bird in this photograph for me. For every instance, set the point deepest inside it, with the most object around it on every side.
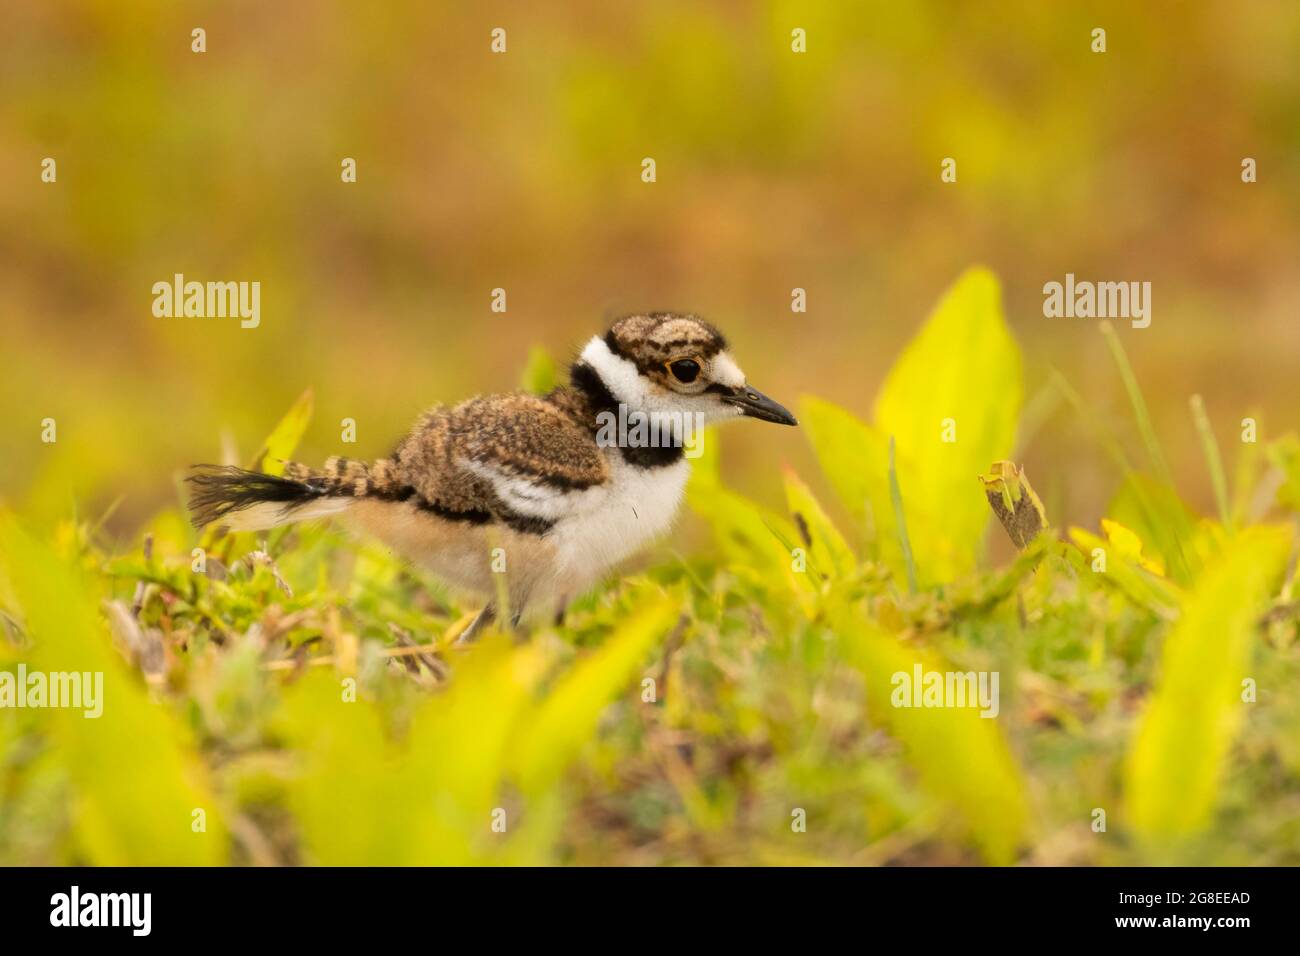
(553, 490)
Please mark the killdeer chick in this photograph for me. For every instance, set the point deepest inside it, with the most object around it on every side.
(554, 490)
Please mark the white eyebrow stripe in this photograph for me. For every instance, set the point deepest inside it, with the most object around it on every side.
(620, 376)
(725, 370)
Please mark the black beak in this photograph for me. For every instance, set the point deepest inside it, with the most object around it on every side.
(754, 404)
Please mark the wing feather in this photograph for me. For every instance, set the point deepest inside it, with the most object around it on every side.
(504, 454)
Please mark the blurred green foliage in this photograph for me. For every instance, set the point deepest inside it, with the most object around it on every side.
(731, 707)
(521, 171)
(964, 365)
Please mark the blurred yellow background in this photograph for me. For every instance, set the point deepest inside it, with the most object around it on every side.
(522, 171)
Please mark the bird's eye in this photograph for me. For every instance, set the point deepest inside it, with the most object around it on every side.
(685, 370)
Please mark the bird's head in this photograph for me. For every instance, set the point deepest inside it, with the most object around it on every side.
(667, 363)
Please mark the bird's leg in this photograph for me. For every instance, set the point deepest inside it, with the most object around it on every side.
(486, 617)
(482, 620)
(559, 611)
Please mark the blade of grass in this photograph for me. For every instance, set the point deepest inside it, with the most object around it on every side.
(1129, 473)
(1035, 414)
(1104, 434)
(896, 497)
(1139, 404)
(1213, 460)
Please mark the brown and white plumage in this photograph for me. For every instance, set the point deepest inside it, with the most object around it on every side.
(521, 473)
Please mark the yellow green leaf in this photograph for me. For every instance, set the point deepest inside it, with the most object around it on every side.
(961, 758)
(539, 375)
(136, 785)
(1147, 590)
(1129, 546)
(1180, 749)
(854, 457)
(950, 403)
(828, 552)
(565, 720)
(749, 534)
(1284, 454)
(284, 438)
(1155, 513)
(428, 798)
(351, 798)
(964, 366)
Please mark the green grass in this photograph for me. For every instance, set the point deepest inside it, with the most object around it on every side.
(305, 694)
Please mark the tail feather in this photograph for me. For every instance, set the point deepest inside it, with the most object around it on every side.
(252, 501)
